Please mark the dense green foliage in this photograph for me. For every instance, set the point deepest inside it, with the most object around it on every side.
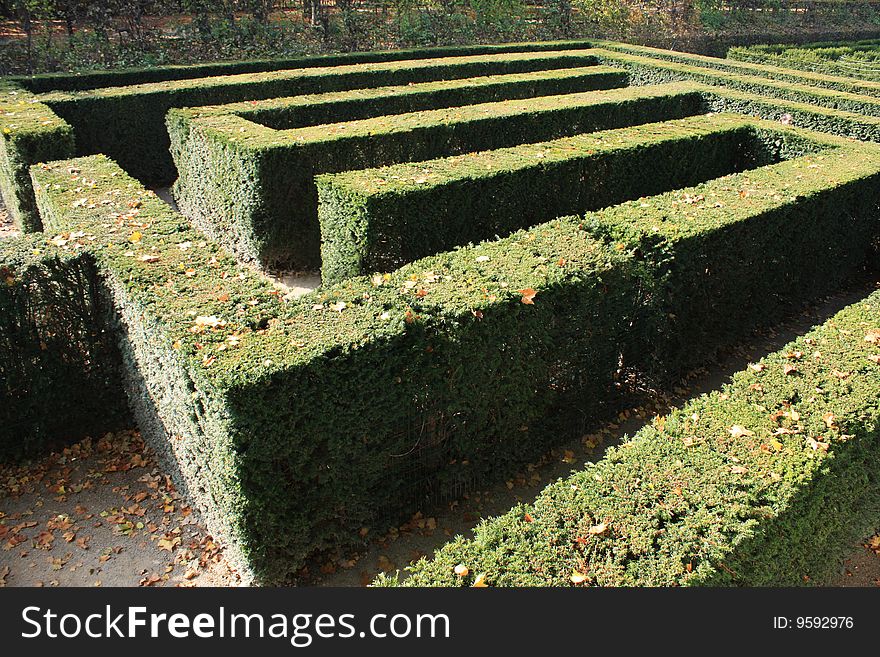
(29, 133)
(102, 121)
(59, 368)
(764, 482)
(858, 59)
(380, 373)
(378, 219)
(44, 82)
(253, 188)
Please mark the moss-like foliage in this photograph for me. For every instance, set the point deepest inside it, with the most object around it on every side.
(253, 187)
(764, 482)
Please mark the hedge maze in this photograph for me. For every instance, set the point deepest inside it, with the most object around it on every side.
(499, 231)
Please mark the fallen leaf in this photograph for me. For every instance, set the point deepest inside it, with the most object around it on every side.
(480, 582)
(578, 577)
(597, 530)
(528, 296)
(738, 431)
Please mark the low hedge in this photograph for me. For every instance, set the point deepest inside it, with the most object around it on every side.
(29, 133)
(253, 187)
(781, 73)
(43, 82)
(858, 59)
(763, 483)
(354, 104)
(446, 371)
(378, 219)
(651, 70)
(59, 367)
(128, 123)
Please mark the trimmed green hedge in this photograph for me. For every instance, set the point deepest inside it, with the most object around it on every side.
(650, 70)
(764, 70)
(354, 104)
(29, 133)
(253, 188)
(858, 59)
(128, 123)
(763, 483)
(59, 367)
(121, 77)
(384, 402)
(378, 219)
(402, 386)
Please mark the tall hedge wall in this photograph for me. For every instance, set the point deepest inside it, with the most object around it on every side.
(763, 483)
(378, 219)
(82, 81)
(128, 123)
(59, 367)
(448, 369)
(29, 133)
(253, 188)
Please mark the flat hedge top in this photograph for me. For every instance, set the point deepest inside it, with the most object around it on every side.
(400, 178)
(177, 275)
(253, 135)
(792, 106)
(610, 57)
(21, 113)
(670, 506)
(682, 213)
(247, 108)
(763, 70)
(92, 79)
(583, 57)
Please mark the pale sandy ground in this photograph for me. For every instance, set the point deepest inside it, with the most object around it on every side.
(102, 512)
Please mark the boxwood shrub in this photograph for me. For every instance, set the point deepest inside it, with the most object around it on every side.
(253, 188)
(29, 133)
(59, 366)
(84, 80)
(762, 483)
(378, 219)
(128, 123)
(399, 387)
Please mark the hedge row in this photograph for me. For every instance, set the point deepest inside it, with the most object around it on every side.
(29, 133)
(123, 77)
(350, 105)
(760, 69)
(763, 483)
(253, 188)
(853, 59)
(400, 386)
(59, 368)
(648, 70)
(379, 219)
(128, 123)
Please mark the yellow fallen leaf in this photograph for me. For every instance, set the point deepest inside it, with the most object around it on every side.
(578, 577)
(480, 582)
(738, 431)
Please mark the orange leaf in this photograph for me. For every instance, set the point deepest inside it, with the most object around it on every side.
(528, 296)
